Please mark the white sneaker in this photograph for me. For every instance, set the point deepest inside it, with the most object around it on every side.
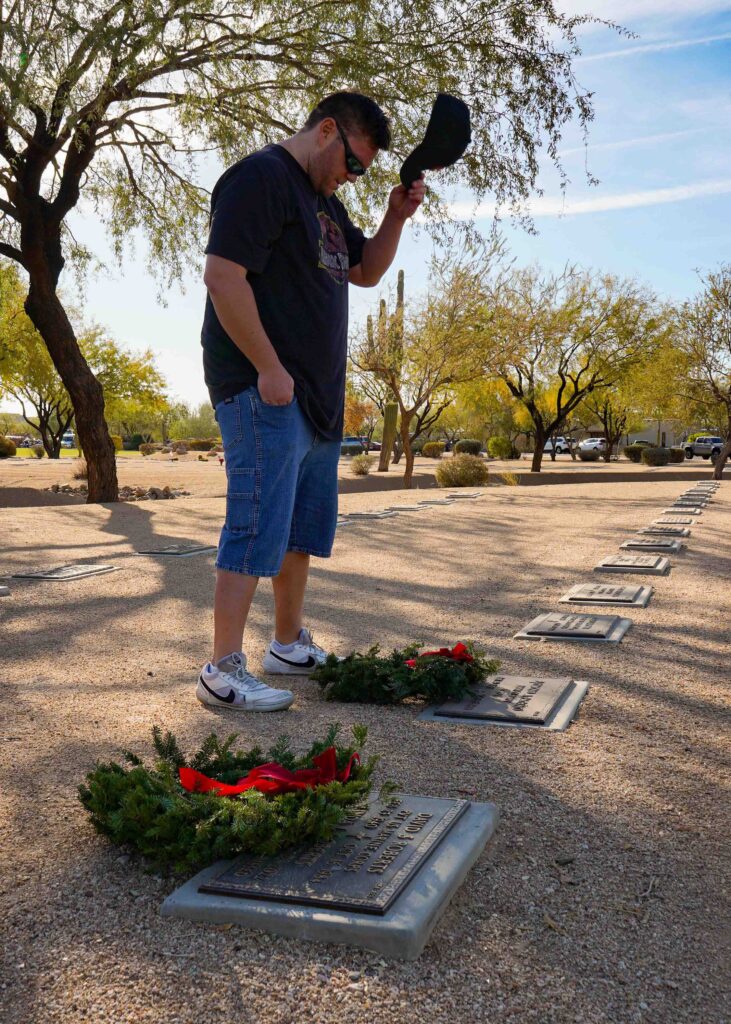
(231, 685)
(303, 658)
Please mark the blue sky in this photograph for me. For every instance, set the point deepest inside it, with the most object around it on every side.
(659, 145)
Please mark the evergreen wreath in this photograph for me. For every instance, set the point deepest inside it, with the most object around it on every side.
(435, 676)
(150, 811)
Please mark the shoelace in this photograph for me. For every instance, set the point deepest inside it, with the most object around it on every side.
(248, 681)
(312, 647)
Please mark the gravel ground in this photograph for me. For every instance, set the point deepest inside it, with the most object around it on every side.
(602, 897)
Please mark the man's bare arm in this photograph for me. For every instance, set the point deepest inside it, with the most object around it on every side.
(235, 306)
(379, 251)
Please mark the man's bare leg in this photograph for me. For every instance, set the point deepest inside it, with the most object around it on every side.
(234, 594)
(289, 596)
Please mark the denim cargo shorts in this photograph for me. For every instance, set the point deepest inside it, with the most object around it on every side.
(282, 485)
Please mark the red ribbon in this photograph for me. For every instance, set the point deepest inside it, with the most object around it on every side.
(273, 778)
(458, 653)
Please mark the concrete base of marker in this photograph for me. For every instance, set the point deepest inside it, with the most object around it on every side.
(561, 717)
(401, 933)
(4, 591)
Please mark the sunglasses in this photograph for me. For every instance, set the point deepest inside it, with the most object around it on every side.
(351, 160)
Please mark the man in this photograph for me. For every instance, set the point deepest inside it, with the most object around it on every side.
(280, 254)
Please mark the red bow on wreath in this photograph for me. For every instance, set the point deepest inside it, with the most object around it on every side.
(273, 778)
(458, 653)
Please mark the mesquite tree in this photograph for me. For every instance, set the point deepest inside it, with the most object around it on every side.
(557, 339)
(704, 338)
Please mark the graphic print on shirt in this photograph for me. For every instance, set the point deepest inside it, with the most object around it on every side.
(333, 250)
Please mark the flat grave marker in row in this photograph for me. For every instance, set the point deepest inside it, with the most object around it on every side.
(677, 510)
(666, 544)
(405, 508)
(65, 572)
(370, 515)
(516, 701)
(674, 521)
(646, 565)
(381, 883)
(606, 629)
(4, 591)
(633, 595)
(436, 501)
(458, 496)
(179, 550)
(667, 530)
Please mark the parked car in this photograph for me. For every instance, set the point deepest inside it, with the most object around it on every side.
(563, 445)
(68, 440)
(352, 446)
(645, 444)
(707, 447)
(593, 442)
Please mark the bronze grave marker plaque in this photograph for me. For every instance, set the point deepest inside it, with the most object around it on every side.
(373, 856)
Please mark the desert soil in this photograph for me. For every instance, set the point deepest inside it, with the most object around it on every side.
(602, 896)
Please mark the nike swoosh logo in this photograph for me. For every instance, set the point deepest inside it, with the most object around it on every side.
(228, 699)
(310, 663)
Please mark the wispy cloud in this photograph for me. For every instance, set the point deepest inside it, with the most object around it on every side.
(641, 140)
(557, 206)
(669, 44)
(625, 11)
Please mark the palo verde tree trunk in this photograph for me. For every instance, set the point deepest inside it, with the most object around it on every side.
(723, 455)
(535, 466)
(407, 450)
(43, 261)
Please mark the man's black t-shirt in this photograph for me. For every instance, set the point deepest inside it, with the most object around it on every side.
(297, 248)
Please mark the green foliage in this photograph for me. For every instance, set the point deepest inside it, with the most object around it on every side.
(117, 442)
(677, 455)
(500, 448)
(371, 679)
(433, 449)
(132, 443)
(202, 444)
(589, 454)
(148, 810)
(655, 456)
(468, 446)
(633, 452)
(462, 471)
(39, 451)
(7, 447)
(360, 465)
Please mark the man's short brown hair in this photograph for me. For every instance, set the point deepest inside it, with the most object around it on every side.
(356, 113)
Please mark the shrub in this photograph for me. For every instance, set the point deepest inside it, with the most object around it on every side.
(200, 444)
(633, 452)
(81, 472)
(462, 471)
(677, 454)
(117, 442)
(655, 456)
(180, 447)
(500, 448)
(147, 449)
(589, 454)
(39, 451)
(360, 465)
(432, 449)
(7, 447)
(468, 446)
(510, 479)
(132, 443)
(417, 446)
